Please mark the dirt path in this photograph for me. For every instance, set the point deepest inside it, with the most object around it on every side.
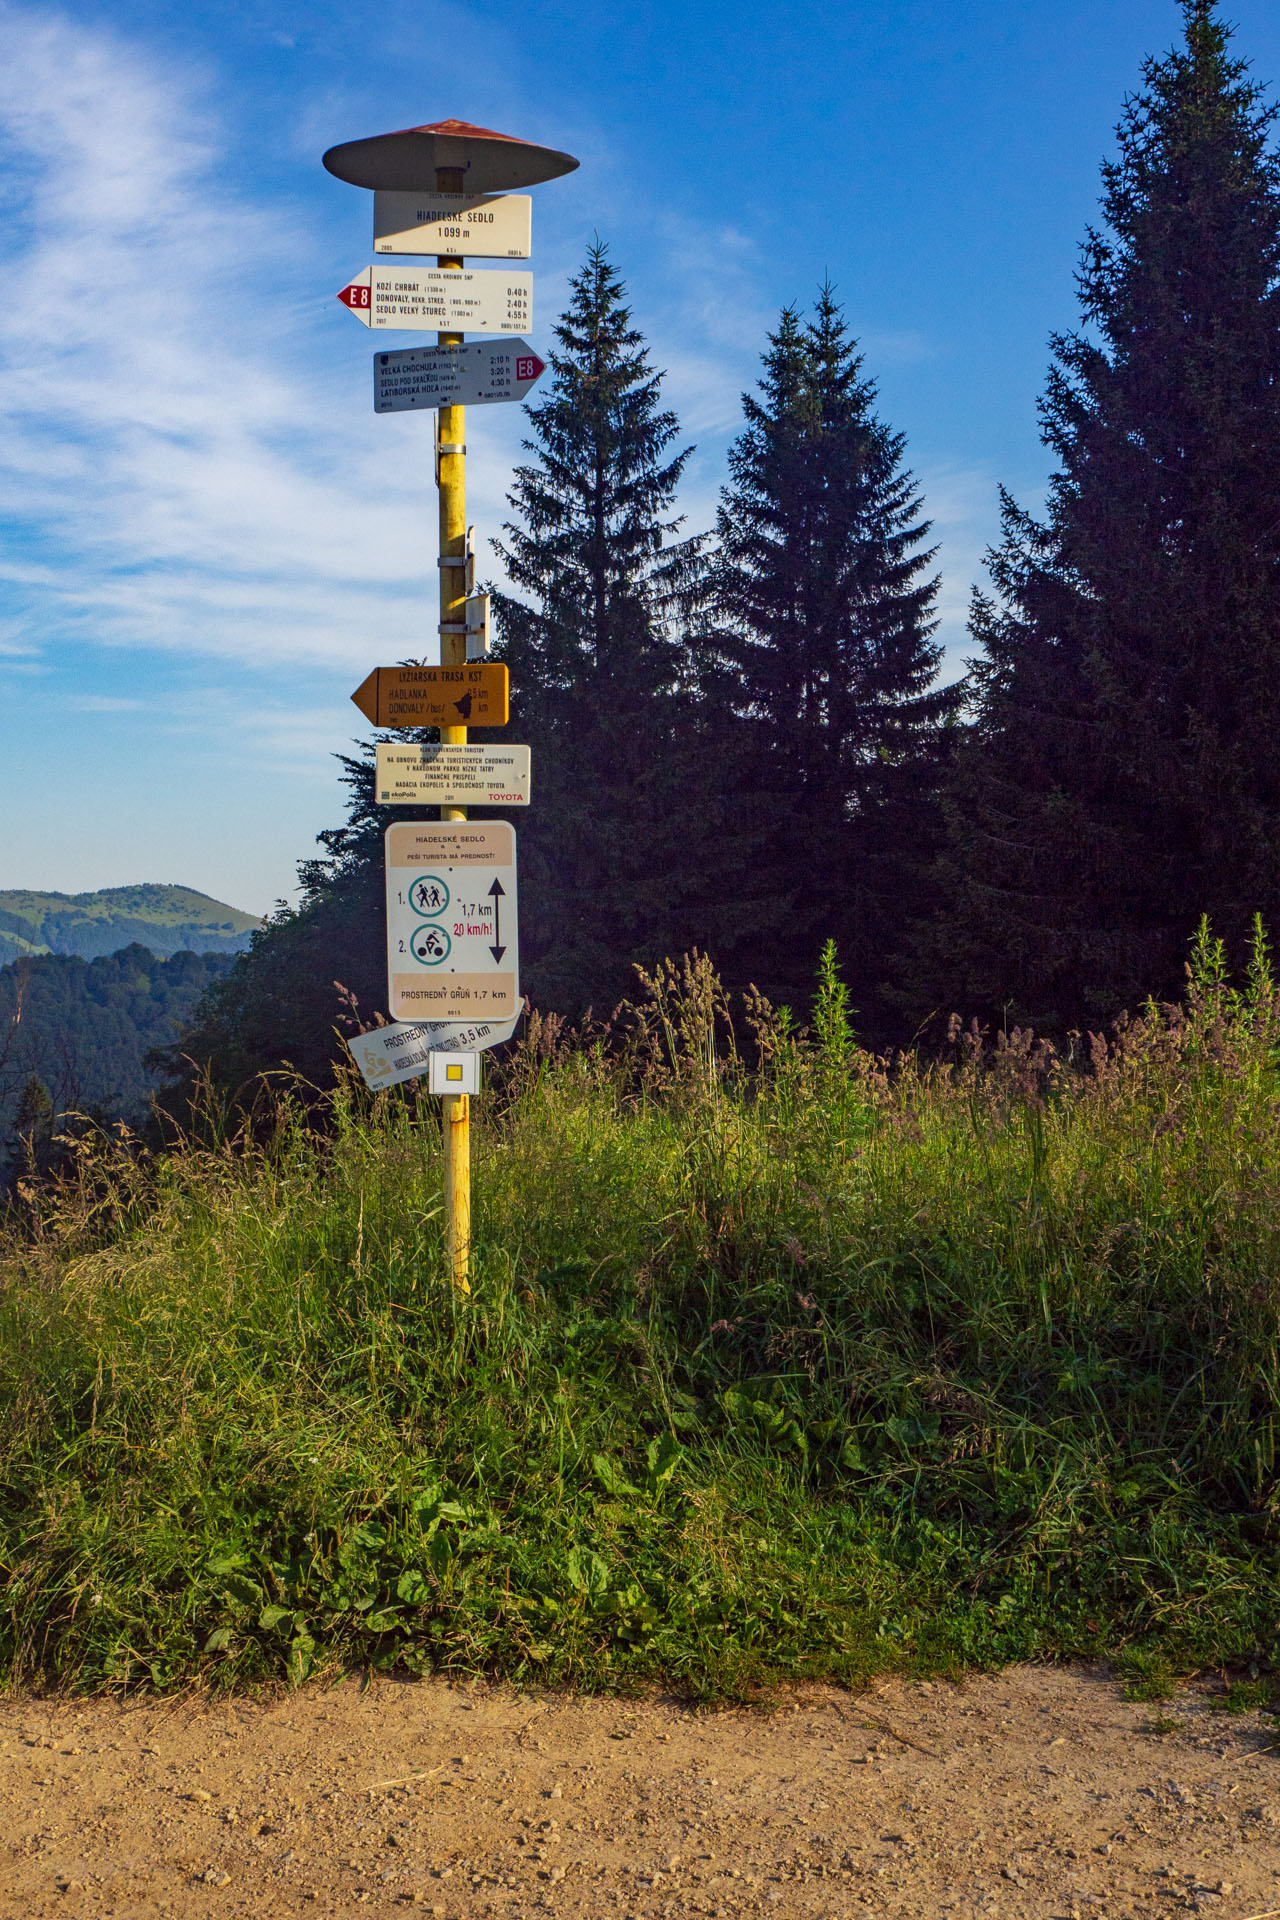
(1032, 1794)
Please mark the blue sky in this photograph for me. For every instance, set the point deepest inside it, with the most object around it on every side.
(209, 538)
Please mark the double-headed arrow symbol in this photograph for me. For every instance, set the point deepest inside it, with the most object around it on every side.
(496, 892)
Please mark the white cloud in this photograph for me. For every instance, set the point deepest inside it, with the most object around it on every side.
(189, 459)
(959, 501)
(185, 459)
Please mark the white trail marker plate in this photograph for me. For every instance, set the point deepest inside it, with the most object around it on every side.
(452, 950)
(388, 1055)
(454, 376)
(470, 776)
(459, 300)
(497, 224)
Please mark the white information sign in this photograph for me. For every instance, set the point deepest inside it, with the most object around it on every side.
(470, 776)
(388, 1055)
(467, 376)
(497, 224)
(453, 299)
(452, 950)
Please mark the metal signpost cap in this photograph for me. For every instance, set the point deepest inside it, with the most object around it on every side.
(408, 161)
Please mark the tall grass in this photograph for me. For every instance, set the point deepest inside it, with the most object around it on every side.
(780, 1360)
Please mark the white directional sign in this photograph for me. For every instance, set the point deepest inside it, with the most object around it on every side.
(388, 1055)
(445, 776)
(499, 224)
(454, 376)
(454, 299)
(452, 949)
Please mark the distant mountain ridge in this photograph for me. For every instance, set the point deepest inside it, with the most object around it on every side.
(165, 919)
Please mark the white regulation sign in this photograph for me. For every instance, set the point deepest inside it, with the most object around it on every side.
(499, 224)
(452, 951)
(454, 376)
(388, 1055)
(448, 776)
(455, 300)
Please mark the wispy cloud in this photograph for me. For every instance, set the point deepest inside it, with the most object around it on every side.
(184, 461)
(189, 459)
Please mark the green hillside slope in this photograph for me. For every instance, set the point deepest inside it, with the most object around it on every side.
(83, 1028)
(777, 1375)
(166, 919)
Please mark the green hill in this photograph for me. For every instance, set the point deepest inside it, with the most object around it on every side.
(82, 1029)
(167, 920)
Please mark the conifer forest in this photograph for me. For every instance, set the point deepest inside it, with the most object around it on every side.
(745, 740)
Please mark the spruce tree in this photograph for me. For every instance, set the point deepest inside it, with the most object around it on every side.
(1122, 776)
(618, 853)
(612, 869)
(824, 605)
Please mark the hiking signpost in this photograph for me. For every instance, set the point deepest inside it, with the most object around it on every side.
(452, 942)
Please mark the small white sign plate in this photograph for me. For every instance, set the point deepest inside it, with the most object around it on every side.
(468, 376)
(454, 1072)
(388, 1055)
(452, 950)
(454, 299)
(470, 776)
(497, 224)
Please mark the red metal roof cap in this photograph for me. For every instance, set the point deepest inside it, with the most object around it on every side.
(459, 126)
(408, 160)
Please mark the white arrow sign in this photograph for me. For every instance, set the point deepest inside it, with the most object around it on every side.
(454, 376)
(454, 299)
(498, 224)
(388, 1055)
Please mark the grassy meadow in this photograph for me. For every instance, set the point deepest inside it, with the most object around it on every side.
(780, 1361)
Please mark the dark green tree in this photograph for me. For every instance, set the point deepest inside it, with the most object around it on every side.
(626, 853)
(1122, 776)
(313, 971)
(30, 1148)
(823, 632)
(610, 868)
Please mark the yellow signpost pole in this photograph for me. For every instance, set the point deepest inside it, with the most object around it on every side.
(451, 479)
(483, 163)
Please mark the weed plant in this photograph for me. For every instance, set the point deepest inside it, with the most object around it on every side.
(780, 1360)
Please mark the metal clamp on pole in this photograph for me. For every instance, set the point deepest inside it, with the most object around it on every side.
(453, 626)
(477, 627)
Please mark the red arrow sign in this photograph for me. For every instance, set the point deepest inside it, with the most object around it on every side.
(356, 296)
